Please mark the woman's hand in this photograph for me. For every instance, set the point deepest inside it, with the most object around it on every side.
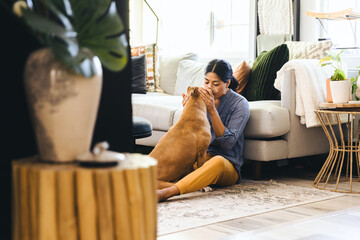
(208, 97)
(185, 99)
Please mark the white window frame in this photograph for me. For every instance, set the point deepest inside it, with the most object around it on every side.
(235, 57)
(137, 38)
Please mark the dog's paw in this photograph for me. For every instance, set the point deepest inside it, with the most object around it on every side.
(206, 189)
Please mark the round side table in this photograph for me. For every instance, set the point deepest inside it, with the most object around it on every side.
(340, 172)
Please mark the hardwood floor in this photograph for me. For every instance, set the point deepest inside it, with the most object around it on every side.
(336, 218)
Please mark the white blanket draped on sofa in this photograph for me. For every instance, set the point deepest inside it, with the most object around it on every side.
(310, 87)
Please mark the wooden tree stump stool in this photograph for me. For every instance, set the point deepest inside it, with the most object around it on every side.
(70, 202)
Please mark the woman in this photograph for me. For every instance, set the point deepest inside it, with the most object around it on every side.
(228, 113)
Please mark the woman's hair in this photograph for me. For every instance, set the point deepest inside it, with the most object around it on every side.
(223, 69)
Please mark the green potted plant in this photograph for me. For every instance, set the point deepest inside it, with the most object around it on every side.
(338, 87)
(78, 30)
(355, 83)
(63, 80)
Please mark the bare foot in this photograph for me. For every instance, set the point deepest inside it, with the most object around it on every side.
(161, 195)
(165, 193)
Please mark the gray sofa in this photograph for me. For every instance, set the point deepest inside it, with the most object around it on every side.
(273, 131)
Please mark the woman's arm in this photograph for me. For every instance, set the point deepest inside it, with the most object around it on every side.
(235, 125)
(217, 124)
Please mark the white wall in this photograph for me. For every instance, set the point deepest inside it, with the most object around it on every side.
(310, 29)
(309, 26)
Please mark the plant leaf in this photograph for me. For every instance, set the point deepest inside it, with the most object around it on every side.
(46, 25)
(324, 59)
(63, 6)
(114, 59)
(85, 12)
(331, 54)
(81, 63)
(58, 8)
(338, 55)
(104, 35)
(326, 63)
(70, 47)
(339, 75)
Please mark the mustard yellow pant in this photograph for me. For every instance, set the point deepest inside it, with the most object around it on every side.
(216, 170)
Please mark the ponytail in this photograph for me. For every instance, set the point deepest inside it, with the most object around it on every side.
(234, 83)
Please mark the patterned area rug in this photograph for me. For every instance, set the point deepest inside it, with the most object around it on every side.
(250, 197)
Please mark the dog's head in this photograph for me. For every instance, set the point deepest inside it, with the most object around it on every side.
(192, 91)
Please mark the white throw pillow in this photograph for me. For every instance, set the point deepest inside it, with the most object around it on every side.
(168, 69)
(308, 50)
(190, 73)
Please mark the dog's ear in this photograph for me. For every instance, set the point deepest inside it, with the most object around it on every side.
(195, 92)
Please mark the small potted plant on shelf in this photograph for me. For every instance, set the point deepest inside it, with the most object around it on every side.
(338, 87)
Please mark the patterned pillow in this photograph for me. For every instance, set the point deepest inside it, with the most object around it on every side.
(263, 74)
(242, 74)
(152, 65)
(308, 50)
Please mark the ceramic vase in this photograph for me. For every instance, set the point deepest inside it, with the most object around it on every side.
(340, 91)
(63, 106)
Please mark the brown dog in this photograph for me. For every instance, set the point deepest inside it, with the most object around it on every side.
(185, 143)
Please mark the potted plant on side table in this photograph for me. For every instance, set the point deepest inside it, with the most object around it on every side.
(63, 80)
(338, 87)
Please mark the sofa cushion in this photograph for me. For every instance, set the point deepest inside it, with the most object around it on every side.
(168, 70)
(158, 108)
(190, 73)
(267, 120)
(138, 81)
(265, 150)
(263, 74)
(242, 74)
(308, 50)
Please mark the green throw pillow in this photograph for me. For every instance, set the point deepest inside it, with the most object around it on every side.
(263, 74)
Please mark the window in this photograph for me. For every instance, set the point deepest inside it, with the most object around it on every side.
(346, 33)
(212, 28)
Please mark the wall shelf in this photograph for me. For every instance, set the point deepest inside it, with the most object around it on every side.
(347, 14)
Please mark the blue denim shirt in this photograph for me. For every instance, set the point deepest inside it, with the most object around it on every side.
(234, 112)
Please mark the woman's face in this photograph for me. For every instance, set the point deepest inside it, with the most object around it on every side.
(212, 80)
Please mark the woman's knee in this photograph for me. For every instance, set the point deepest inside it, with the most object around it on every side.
(218, 163)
